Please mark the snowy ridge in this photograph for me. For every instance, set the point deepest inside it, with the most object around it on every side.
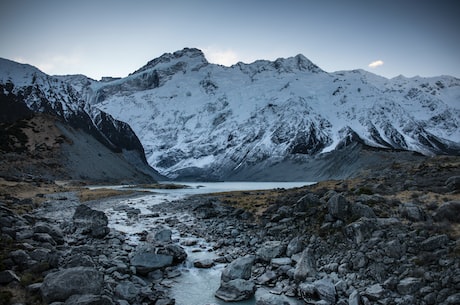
(192, 115)
(200, 119)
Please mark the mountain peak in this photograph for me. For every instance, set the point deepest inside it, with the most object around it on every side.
(186, 54)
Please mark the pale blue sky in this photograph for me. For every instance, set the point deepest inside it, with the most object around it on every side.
(114, 38)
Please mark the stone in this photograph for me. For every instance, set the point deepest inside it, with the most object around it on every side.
(412, 212)
(266, 277)
(269, 250)
(90, 222)
(238, 269)
(338, 207)
(354, 298)
(55, 232)
(359, 210)
(395, 249)
(305, 266)
(163, 235)
(360, 230)
(449, 211)
(88, 299)
(281, 261)
(434, 242)
(127, 291)
(322, 289)
(453, 183)
(177, 252)
(8, 276)
(146, 262)
(374, 292)
(409, 285)
(295, 246)
(453, 299)
(60, 285)
(203, 263)
(236, 290)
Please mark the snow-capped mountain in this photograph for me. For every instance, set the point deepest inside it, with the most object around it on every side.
(194, 118)
(26, 85)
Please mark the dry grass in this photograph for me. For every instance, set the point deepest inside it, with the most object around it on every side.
(101, 193)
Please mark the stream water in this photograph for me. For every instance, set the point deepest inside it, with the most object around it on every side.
(194, 286)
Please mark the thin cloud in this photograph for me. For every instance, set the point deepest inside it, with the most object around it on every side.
(221, 57)
(376, 64)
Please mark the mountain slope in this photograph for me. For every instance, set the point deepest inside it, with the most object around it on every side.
(86, 133)
(199, 119)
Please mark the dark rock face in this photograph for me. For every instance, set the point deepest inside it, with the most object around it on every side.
(236, 290)
(146, 262)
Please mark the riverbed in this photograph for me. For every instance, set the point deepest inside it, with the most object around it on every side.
(194, 286)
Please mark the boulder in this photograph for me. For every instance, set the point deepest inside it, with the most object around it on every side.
(305, 266)
(90, 222)
(177, 252)
(240, 268)
(54, 231)
(203, 263)
(453, 183)
(8, 276)
(236, 290)
(163, 235)
(145, 262)
(412, 212)
(434, 242)
(338, 207)
(270, 249)
(127, 291)
(409, 285)
(322, 289)
(449, 211)
(60, 285)
(359, 210)
(295, 246)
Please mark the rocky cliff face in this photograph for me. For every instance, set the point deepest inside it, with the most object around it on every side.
(26, 92)
(199, 119)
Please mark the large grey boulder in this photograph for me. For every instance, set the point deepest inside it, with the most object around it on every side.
(60, 285)
(145, 262)
(322, 289)
(127, 291)
(240, 268)
(338, 207)
(90, 222)
(236, 290)
(306, 266)
(449, 211)
(270, 249)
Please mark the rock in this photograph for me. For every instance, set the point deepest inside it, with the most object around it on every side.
(264, 297)
(238, 269)
(90, 222)
(395, 249)
(270, 249)
(305, 266)
(177, 252)
(236, 290)
(354, 298)
(266, 277)
(360, 230)
(281, 261)
(146, 262)
(338, 207)
(449, 211)
(20, 257)
(203, 263)
(55, 232)
(412, 212)
(295, 246)
(60, 285)
(409, 285)
(88, 299)
(454, 299)
(163, 235)
(434, 242)
(322, 289)
(374, 292)
(8, 276)
(453, 183)
(127, 291)
(359, 210)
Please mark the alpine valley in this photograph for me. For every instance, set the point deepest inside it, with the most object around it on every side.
(269, 120)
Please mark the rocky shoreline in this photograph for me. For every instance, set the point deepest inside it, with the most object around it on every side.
(385, 238)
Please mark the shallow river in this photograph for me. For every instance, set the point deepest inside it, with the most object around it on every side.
(194, 286)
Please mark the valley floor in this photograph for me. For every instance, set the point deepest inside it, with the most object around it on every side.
(390, 236)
